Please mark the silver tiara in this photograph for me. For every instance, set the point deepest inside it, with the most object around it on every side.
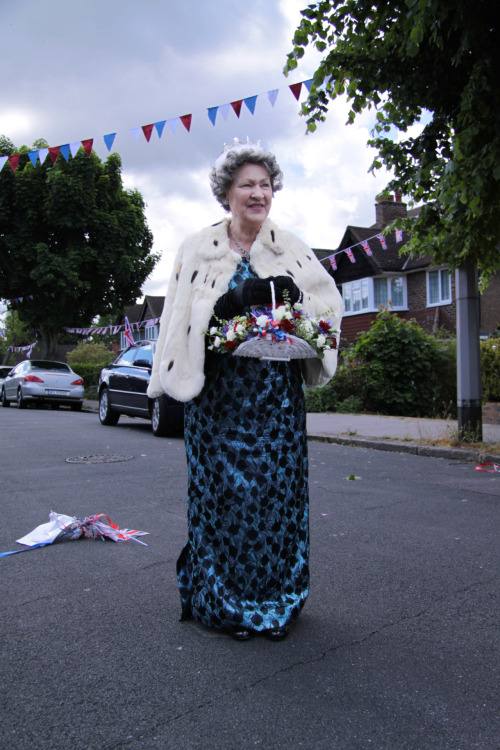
(236, 146)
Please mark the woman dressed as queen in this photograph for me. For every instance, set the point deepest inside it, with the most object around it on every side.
(245, 566)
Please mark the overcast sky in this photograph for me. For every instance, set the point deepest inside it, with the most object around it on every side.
(72, 71)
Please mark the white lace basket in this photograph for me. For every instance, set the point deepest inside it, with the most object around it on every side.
(267, 347)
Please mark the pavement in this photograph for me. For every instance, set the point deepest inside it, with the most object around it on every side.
(398, 434)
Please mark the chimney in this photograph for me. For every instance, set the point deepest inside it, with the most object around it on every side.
(388, 209)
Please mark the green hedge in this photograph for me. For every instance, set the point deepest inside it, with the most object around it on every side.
(490, 369)
(90, 374)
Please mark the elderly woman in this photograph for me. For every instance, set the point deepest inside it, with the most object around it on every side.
(245, 567)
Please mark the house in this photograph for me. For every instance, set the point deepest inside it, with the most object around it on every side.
(144, 319)
(370, 272)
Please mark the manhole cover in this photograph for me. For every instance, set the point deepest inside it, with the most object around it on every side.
(97, 459)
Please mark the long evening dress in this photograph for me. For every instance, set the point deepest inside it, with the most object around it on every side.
(246, 561)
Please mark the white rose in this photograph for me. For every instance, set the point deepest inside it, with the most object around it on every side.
(240, 328)
(217, 342)
(261, 321)
(230, 335)
(321, 340)
(213, 331)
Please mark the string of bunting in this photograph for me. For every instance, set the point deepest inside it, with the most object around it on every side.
(365, 244)
(222, 109)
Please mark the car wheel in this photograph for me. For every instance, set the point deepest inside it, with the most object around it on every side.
(5, 403)
(106, 413)
(76, 407)
(159, 420)
(20, 402)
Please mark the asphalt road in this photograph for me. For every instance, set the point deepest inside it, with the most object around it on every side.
(396, 649)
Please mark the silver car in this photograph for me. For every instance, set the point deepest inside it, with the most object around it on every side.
(43, 381)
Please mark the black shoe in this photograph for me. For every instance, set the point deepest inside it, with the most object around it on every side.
(240, 634)
(276, 634)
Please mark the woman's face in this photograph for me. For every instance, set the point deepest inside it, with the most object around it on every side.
(250, 195)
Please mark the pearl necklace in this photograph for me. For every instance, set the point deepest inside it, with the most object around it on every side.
(245, 253)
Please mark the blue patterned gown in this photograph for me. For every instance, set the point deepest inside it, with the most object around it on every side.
(246, 562)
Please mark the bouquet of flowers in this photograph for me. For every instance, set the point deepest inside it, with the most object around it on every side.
(283, 324)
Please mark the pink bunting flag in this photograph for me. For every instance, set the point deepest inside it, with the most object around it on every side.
(272, 96)
(87, 145)
(296, 88)
(237, 106)
(147, 130)
(186, 121)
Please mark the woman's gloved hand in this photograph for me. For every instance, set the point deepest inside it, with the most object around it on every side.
(249, 292)
(286, 284)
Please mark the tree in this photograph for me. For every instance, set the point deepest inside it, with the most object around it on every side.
(73, 243)
(16, 334)
(406, 59)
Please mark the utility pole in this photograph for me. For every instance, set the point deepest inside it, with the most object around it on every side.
(469, 401)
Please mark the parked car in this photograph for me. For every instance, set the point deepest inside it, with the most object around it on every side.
(41, 381)
(122, 390)
(4, 371)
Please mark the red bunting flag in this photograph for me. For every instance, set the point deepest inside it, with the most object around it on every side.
(87, 145)
(147, 130)
(186, 121)
(296, 88)
(14, 161)
(54, 153)
(237, 106)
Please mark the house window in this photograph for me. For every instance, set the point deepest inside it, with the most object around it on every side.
(366, 295)
(438, 287)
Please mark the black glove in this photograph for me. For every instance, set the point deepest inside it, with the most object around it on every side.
(249, 292)
(285, 284)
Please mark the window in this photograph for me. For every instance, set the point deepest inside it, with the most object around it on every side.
(438, 287)
(366, 295)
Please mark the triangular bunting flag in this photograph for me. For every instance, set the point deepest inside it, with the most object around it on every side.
(308, 84)
(87, 145)
(33, 155)
(54, 153)
(172, 124)
(295, 88)
(74, 148)
(186, 121)
(350, 255)
(109, 139)
(147, 130)
(14, 161)
(3, 159)
(272, 96)
(333, 262)
(237, 106)
(224, 110)
(159, 127)
(65, 151)
(42, 154)
(212, 114)
(135, 132)
(381, 238)
(251, 101)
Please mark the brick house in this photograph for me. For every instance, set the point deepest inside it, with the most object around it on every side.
(372, 275)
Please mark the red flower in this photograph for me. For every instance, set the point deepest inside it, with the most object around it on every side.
(324, 326)
(230, 345)
(287, 325)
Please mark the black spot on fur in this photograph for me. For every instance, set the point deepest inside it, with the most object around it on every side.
(213, 283)
(216, 242)
(299, 264)
(195, 274)
(170, 365)
(189, 330)
(290, 273)
(272, 235)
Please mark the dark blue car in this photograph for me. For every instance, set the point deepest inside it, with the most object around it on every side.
(123, 390)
